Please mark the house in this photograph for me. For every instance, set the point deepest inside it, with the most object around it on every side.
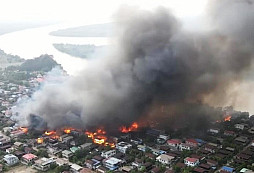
(210, 148)
(227, 169)
(61, 162)
(147, 166)
(199, 170)
(241, 139)
(244, 170)
(200, 142)
(197, 156)
(92, 164)
(192, 142)
(205, 166)
(108, 154)
(85, 146)
(241, 126)
(19, 154)
(101, 169)
(191, 161)
(67, 154)
(16, 145)
(142, 148)
(123, 146)
(75, 168)
(112, 163)
(10, 150)
(162, 139)
(127, 168)
(243, 156)
(28, 159)
(98, 158)
(11, 159)
(74, 149)
(184, 146)
(165, 159)
(43, 164)
(137, 163)
(150, 156)
(137, 141)
(174, 143)
(156, 151)
(53, 151)
(214, 130)
(164, 136)
(251, 130)
(229, 133)
(86, 170)
(67, 139)
(230, 149)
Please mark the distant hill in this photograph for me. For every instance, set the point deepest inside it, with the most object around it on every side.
(7, 27)
(9, 60)
(98, 30)
(80, 51)
(43, 63)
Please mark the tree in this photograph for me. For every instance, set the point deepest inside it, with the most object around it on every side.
(42, 153)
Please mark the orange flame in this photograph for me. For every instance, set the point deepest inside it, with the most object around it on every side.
(99, 137)
(49, 133)
(133, 127)
(24, 129)
(228, 118)
(39, 140)
(67, 131)
(54, 137)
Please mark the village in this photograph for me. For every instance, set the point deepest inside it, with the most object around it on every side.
(227, 146)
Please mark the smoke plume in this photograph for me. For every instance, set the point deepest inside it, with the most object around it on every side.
(154, 62)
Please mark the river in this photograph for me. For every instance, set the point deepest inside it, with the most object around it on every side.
(34, 42)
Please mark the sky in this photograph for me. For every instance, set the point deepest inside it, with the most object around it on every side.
(87, 11)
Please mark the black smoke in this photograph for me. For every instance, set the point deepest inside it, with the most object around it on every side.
(154, 62)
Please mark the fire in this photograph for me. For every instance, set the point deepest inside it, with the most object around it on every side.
(133, 127)
(228, 118)
(24, 129)
(68, 130)
(99, 137)
(100, 140)
(54, 137)
(49, 133)
(39, 140)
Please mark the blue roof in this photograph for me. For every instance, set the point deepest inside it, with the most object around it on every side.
(200, 141)
(226, 168)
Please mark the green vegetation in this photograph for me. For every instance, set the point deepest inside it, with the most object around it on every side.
(7, 59)
(80, 51)
(80, 156)
(43, 63)
(42, 153)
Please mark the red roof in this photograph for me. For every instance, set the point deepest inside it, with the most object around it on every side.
(190, 159)
(174, 141)
(228, 132)
(192, 141)
(29, 156)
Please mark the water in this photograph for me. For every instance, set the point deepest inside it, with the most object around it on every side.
(32, 43)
